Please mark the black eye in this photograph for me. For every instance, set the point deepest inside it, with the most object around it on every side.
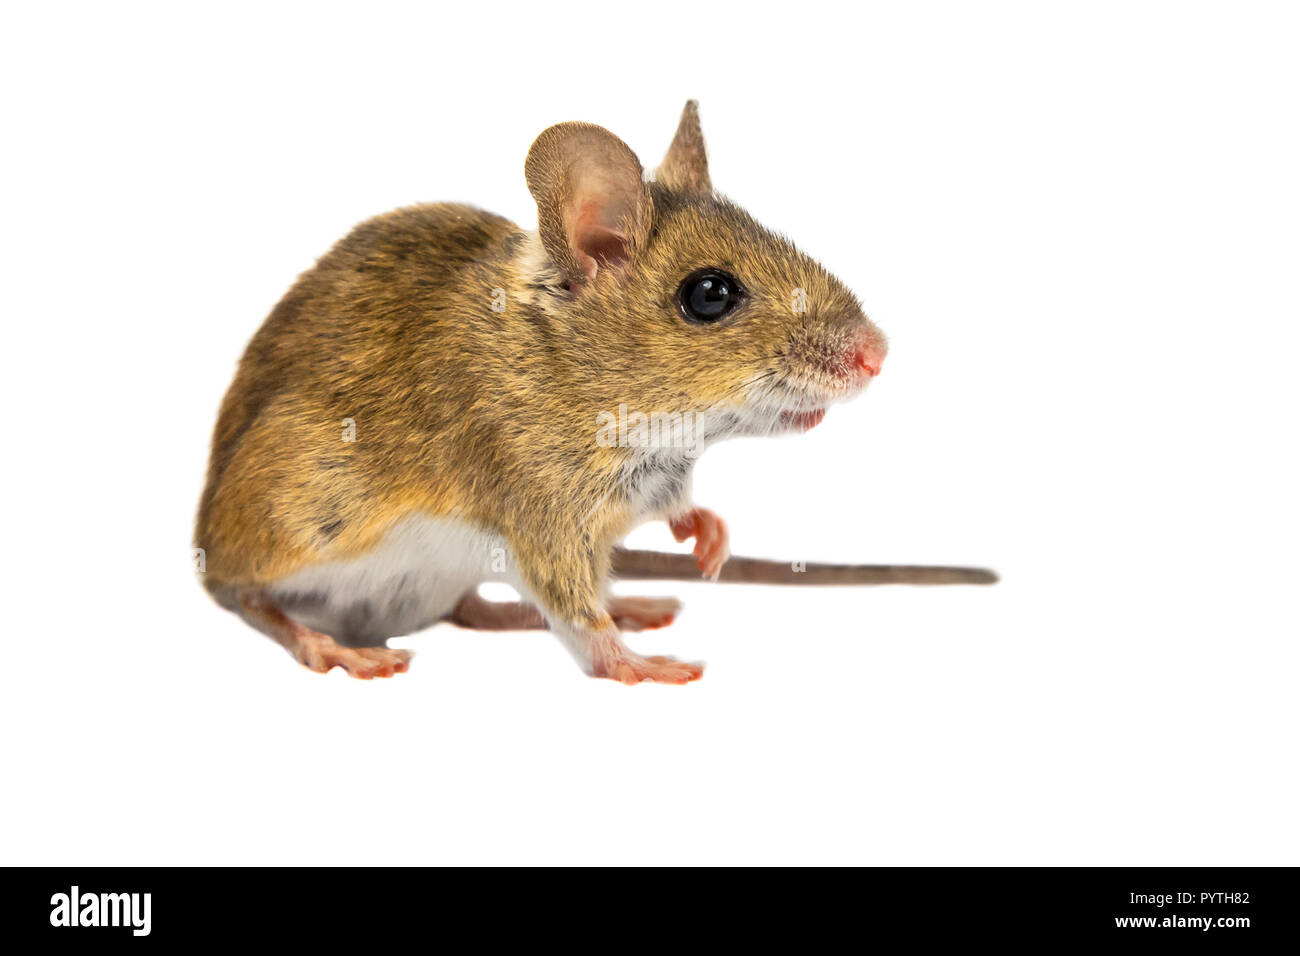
(708, 295)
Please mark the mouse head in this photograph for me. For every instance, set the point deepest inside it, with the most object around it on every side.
(681, 297)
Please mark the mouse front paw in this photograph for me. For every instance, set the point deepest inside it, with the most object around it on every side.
(712, 542)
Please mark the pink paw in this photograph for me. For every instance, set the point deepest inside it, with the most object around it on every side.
(631, 669)
(712, 543)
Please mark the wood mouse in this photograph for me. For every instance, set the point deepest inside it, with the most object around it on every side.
(446, 399)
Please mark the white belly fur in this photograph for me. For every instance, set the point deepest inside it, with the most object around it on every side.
(423, 566)
(413, 578)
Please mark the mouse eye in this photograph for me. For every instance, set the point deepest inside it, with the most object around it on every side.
(708, 295)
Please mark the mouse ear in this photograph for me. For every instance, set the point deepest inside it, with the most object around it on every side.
(591, 199)
(686, 166)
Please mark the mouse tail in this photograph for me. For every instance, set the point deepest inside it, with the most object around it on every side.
(664, 566)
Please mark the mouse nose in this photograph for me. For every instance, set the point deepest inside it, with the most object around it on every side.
(868, 359)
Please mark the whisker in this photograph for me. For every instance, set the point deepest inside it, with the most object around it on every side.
(748, 383)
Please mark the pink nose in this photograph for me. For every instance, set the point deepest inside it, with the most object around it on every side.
(868, 359)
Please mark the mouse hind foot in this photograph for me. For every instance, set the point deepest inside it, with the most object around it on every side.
(643, 613)
(320, 652)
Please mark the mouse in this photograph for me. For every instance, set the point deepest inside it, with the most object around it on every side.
(446, 399)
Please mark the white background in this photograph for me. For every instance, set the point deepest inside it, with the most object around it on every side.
(1078, 225)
